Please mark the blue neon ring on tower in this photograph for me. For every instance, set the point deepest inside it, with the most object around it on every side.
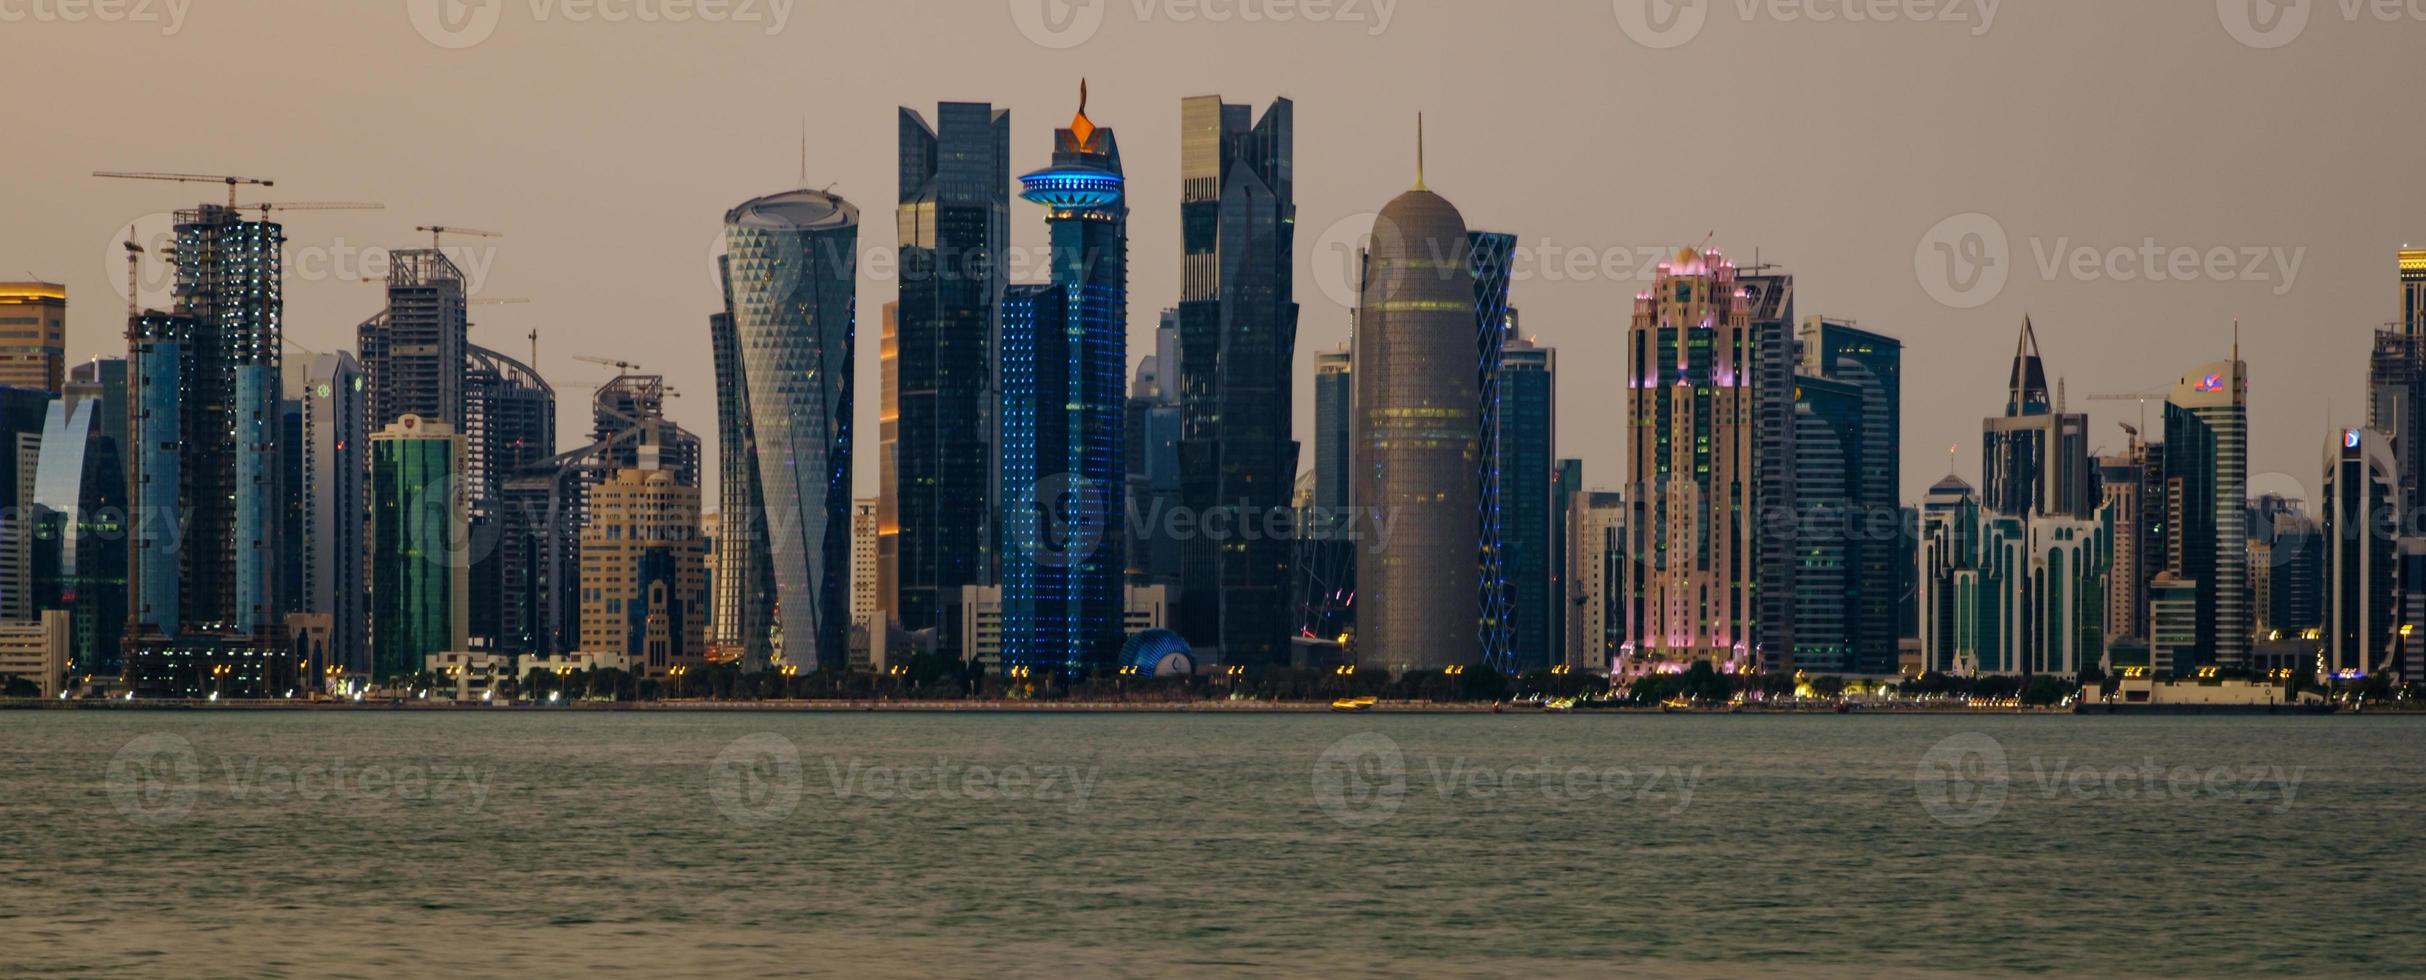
(1073, 188)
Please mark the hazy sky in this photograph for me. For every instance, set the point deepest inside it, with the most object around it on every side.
(607, 147)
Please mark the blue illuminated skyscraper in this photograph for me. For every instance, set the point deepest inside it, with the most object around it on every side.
(791, 264)
(1064, 367)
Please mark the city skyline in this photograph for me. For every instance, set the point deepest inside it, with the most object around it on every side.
(1846, 216)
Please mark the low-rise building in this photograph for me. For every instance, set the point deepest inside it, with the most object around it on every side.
(35, 650)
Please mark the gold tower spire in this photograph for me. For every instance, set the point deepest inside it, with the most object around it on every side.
(1419, 152)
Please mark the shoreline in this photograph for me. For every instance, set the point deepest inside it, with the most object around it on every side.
(1131, 708)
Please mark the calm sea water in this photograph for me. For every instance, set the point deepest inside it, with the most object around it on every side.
(196, 844)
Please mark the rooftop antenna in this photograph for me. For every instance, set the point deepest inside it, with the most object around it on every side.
(1419, 152)
(534, 348)
(804, 151)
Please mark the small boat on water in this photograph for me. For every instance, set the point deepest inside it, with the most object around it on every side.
(1558, 707)
(1354, 705)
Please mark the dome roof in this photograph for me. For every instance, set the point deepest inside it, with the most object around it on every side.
(1420, 214)
(801, 210)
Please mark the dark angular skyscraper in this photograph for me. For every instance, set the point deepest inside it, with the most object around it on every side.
(510, 414)
(1064, 367)
(1417, 426)
(954, 220)
(1334, 401)
(413, 353)
(1238, 340)
(791, 262)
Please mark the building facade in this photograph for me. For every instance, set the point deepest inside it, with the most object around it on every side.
(2361, 525)
(332, 495)
(644, 573)
(1416, 433)
(1237, 320)
(33, 335)
(420, 526)
(1064, 384)
(1528, 503)
(954, 217)
(1692, 361)
(2207, 471)
(792, 266)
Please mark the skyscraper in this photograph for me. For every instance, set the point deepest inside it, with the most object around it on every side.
(1064, 368)
(510, 424)
(2207, 470)
(1238, 342)
(78, 527)
(1334, 405)
(1492, 257)
(954, 218)
(1866, 426)
(2413, 292)
(2036, 456)
(413, 352)
(1528, 389)
(1595, 599)
(744, 600)
(204, 390)
(33, 335)
(1769, 302)
(1693, 362)
(644, 572)
(1417, 436)
(420, 573)
(1151, 429)
(2362, 537)
(333, 501)
(792, 262)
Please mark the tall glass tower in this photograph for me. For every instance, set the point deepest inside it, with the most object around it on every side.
(1064, 366)
(1238, 342)
(791, 267)
(1334, 400)
(420, 578)
(1527, 462)
(1864, 418)
(2207, 463)
(1417, 438)
(954, 216)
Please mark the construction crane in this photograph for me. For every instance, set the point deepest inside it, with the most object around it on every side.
(134, 280)
(621, 367)
(438, 230)
(231, 182)
(266, 207)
